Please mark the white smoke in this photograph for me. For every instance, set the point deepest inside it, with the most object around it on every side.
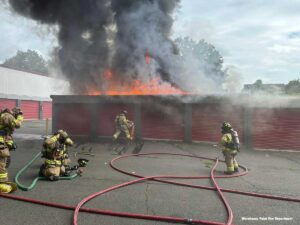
(233, 80)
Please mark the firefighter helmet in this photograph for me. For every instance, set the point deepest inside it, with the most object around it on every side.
(124, 112)
(17, 111)
(63, 135)
(226, 126)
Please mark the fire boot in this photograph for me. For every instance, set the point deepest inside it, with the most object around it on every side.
(53, 178)
(8, 187)
(67, 172)
(236, 170)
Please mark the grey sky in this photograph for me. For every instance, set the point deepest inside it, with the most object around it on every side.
(259, 37)
(20, 33)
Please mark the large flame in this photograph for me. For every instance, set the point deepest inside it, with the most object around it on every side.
(155, 86)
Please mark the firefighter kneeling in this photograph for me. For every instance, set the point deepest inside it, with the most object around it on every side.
(230, 142)
(123, 125)
(57, 162)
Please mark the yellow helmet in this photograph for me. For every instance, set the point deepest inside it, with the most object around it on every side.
(8, 187)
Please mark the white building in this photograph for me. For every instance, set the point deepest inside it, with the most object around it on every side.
(29, 91)
(22, 85)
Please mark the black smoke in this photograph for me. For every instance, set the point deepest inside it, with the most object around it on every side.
(144, 27)
(83, 49)
(97, 34)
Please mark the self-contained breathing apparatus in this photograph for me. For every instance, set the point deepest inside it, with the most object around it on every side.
(235, 140)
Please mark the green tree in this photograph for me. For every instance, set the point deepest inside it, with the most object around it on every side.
(29, 61)
(293, 87)
(209, 60)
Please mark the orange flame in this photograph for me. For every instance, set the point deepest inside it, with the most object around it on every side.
(154, 87)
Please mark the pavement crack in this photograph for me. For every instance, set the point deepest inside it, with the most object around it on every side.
(147, 200)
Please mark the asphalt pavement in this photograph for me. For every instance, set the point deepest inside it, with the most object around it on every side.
(275, 173)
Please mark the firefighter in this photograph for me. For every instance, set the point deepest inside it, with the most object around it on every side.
(123, 125)
(55, 152)
(9, 121)
(230, 144)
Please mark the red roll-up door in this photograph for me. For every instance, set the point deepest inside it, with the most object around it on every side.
(276, 128)
(7, 103)
(30, 109)
(163, 122)
(74, 118)
(208, 118)
(47, 110)
(107, 114)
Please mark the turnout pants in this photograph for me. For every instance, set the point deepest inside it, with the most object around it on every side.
(53, 171)
(4, 153)
(230, 160)
(124, 130)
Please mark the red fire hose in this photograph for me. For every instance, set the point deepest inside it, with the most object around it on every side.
(229, 210)
(274, 197)
(161, 218)
(160, 179)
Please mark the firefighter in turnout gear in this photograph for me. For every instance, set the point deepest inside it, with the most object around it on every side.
(9, 121)
(123, 125)
(230, 144)
(55, 152)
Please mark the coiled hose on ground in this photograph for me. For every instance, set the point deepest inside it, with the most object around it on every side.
(159, 179)
(34, 182)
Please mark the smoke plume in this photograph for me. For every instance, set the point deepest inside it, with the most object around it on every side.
(144, 28)
(83, 49)
(95, 35)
